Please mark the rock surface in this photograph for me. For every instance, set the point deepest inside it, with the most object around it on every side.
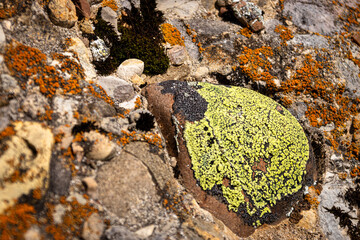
(62, 13)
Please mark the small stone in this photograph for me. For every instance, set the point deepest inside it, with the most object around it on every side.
(110, 16)
(114, 125)
(137, 80)
(177, 55)
(101, 147)
(2, 36)
(58, 214)
(91, 185)
(33, 233)
(117, 88)
(201, 72)
(356, 38)
(257, 26)
(7, 24)
(78, 150)
(62, 13)
(84, 55)
(93, 227)
(129, 68)
(145, 232)
(99, 50)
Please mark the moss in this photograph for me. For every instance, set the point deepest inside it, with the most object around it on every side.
(140, 38)
(250, 140)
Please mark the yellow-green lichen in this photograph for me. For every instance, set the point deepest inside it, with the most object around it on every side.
(252, 142)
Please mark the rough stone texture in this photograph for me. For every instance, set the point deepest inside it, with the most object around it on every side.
(182, 9)
(117, 180)
(93, 227)
(62, 13)
(110, 16)
(35, 105)
(356, 38)
(2, 36)
(9, 84)
(120, 233)
(29, 150)
(84, 7)
(64, 108)
(60, 177)
(349, 71)
(117, 88)
(129, 68)
(308, 40)
(114, 124)
(177, 55)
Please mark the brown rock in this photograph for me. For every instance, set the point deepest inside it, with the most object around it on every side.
(177, 55)
(356, 38)
(257, 26)
(62, 13)
(83, 6)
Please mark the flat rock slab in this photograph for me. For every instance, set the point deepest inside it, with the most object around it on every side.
(242, 155)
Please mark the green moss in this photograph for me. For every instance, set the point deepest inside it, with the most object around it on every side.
(140, 38)
(252, 141)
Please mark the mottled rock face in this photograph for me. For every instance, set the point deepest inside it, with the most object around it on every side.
(237, 149)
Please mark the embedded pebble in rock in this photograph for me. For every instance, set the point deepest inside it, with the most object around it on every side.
(28, 153)
(9, 84)
(35, 105)
(91, 186)
(64, 109)
(129, 68)
(93, 227)
(145, 232)
(215, 126)
(99, 50)
(120, 233)
(84, 55)
(86, 26)
(127, 189)
(177, 55)
(59, 212)
(2, 36)
(119, 89)
(62, 13)
(101, 148)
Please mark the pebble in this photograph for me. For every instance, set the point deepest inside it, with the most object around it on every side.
(7, 24)
(101, 149)
(33, 233)
(9, 84)
(117, 88)
(62, 13)
(145, 232)
(2, 36)
(129, 68)
(91, 186)
(177, 55)
(137, 80)
(93, 227)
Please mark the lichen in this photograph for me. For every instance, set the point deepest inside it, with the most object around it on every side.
(248, 146)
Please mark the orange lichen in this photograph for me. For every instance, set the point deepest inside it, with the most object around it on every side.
(246, 32)
(8, 10)
(172, 35)
(193, 35)
(311, 197)
(7, 132)
(16, 221)
(138, 103)
(110, 3)
(255, 64)
(37, 194)
(99, 92)
(355, 172)
(285, 34)
(342, 175)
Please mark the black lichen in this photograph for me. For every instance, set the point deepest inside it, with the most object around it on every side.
(140, 38)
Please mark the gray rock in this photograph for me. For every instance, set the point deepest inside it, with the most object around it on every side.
(99, 50)
(350, 73)
(120, 233)
(34, 105)
(110, 16)
(310, 40)
(100, 147)
(126, 188)
(117, 88)
(312, 15)
(62, 13)
(9, 84)
(60, 177)
(114, 125)
(177, 55)
(97, 109)
(63, 107)
(145, 232)
(93, 227)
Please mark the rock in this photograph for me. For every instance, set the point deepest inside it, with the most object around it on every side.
(24, 165)
(99, 50)
(9, 8)
(177, 55)
(129, 68)
(208, 4)
(114, 125)
(9, 84)
(117, 88)
(59, 212)
(350, 73)
(86, 26)
(116, 180)
(84, 55)
(35, 105)
(313, 15)
(60, 177)
(2, 37)
(201, 72)
(355, 37)
(310, 40)
(145, 232)
(120, 233)
(97, 109)
(188, 114)
(137, 80)
(7, 24)
(84, 7)
(93, 227)
(33, 233)
(63, 107)
(101, 148)
(62, 13)
(110, 16)
(91, 186)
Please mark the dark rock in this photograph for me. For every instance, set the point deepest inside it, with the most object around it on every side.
(60, 177)
(83, 7)
(356, 38)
